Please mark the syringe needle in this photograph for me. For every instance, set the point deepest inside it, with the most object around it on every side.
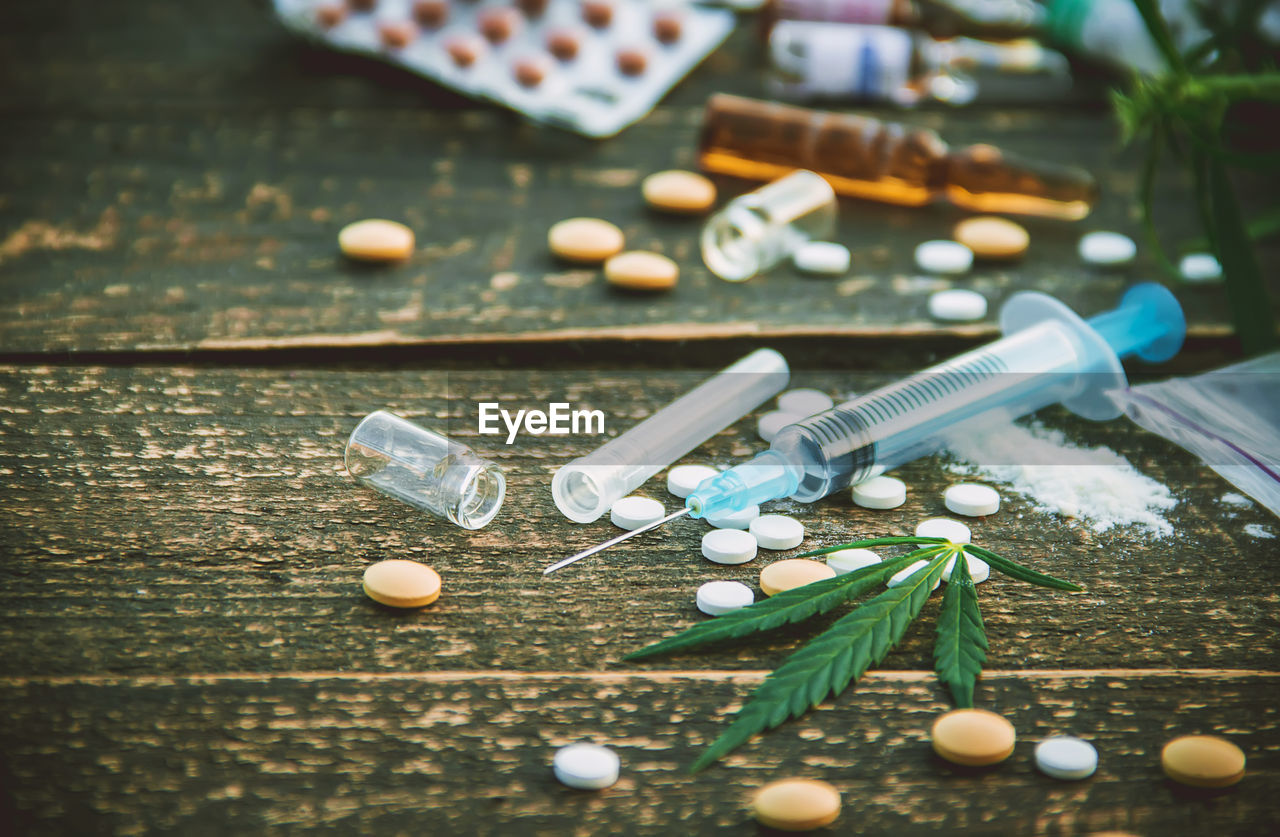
(602, 546)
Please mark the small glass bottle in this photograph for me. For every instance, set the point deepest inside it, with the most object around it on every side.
(883, 161)
(424, 469)
(987, 19)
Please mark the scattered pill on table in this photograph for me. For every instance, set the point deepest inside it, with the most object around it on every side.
(716, 598)
(971, 499)
(587, 240)
(634, 511)
(796, 804)
(1204, 761)
(942, 256)
(903, 575)
(880, 493)
(771, 422)
(777, 531)
(791, 573)
(957, 305)
(1200, 267)
(1066, 757)
(640, 271)
(586, 766)
(822, 257)
(401, 583)
(740, 519)
(943, 527)
(979, 570)
(973, 737)
(805, 402)
(992, 238)
(376, 240)
(683, 192)
(729, 546)
(1107, 249)
(848, 560)
(683, 479)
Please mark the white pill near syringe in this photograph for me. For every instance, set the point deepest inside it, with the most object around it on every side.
(729, 546)
(716, 598)
(805, 402)
(880, 493)
(633, 512)
(683, 479)
(971, 499)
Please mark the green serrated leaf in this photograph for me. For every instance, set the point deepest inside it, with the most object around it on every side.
(961, 647)
(1015, 570)
(872, 542)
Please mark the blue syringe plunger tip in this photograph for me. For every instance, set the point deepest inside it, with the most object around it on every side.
(1148, 323)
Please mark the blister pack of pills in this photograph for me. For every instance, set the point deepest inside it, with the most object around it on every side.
(591, 66)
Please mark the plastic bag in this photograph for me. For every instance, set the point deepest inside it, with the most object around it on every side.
(1229, 417)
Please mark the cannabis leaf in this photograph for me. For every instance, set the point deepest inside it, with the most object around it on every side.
(961, 647)
(1015, 570)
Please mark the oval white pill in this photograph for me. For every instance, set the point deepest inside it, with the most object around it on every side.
(1107, 249)
(957, 305)
(777, 531)
(633, 512)
(771, 422)
(683, 479)
(729, 546)
(1066, 757)
(979, 570)
(971, 499)
(1200, 267)
(900, 577)
(880, 493)
(821, 257)
(719, 597)
(848, 560)
(943, 527)
(944, 256)
(586, 766)
(804, 402)
(734, 520)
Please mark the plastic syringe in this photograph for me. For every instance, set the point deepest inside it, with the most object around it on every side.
(1047, 355)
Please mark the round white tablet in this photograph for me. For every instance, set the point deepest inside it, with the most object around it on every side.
(848, 560)
(943, 256)
(633, 512)
(979, 570)
(683, 479)
(821, 257)
(777, 531)
(771, 422)
(971, 499)
(900, 577)
(804, 402)
(719, 597)
(1200, 267)
(1066, 757)
(943, 527)
(958, 305)
(734, 520)
(586, 766)
(728, 546)
(1107, 249)
(880, 493)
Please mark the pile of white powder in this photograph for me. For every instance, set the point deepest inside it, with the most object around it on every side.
(1096, 485)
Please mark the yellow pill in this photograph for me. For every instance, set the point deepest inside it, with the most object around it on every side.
(586, 240)
(399, 583)
(991, 238)
(1205, 761)
(640, 271)
(683, 192)
(793, 572)
(796, 804)
(376, 240)
(973, 737)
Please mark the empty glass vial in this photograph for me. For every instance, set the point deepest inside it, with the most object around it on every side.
(883, 161)
(757, 230)
(424, 469)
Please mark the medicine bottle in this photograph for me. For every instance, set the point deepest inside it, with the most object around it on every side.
(883, 161)
(987, 19)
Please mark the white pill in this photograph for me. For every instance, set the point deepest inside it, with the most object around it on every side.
(683, 479)
(777, 531)
(943, 527)
(900, 577)
(943, 256)
(719, 597)
(880, 493)
(586, 766)
(971, 499)
(958, 305)
(1107, 249)
(734, 520)
(1066, 757)
(804, 402)
(848, 560)
(728, 546)
(770, 423)
(979, 570)
(633, 512)
(1200, 267)
(821, 257)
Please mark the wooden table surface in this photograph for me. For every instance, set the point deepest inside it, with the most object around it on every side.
(186, 647)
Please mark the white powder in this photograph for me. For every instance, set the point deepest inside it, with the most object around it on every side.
(1096, 485)
(1257, 530)
(1238, 501)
